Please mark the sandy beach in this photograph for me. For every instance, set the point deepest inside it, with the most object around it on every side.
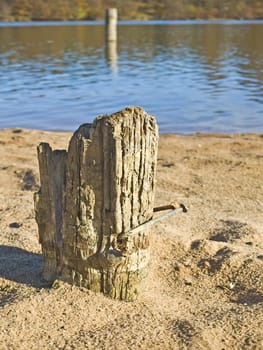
(204, 289)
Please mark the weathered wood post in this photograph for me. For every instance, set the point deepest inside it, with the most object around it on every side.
(111, 16)
(92, 196)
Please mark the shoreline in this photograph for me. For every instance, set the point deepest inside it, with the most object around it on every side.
(124, 21)
(17, 130)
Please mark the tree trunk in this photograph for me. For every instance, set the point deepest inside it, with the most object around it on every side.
(92, 196)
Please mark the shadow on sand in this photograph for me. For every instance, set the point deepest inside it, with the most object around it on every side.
(22, 266)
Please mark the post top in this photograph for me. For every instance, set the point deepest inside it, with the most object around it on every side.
(111, 12)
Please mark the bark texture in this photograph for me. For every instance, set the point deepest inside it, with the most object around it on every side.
(91, 197)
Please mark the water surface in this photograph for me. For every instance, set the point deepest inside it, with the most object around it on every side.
(193, 76)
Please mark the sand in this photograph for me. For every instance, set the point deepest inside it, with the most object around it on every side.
(205, 284)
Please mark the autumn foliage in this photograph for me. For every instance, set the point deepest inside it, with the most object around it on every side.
(25, 10)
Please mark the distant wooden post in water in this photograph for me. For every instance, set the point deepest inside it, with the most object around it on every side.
(111, 16)
(92, 196)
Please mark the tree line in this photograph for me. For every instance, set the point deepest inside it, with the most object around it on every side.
(30, 10)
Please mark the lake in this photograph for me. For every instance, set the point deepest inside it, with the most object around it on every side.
(192, 75)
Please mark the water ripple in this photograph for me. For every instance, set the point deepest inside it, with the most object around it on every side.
(205, 77)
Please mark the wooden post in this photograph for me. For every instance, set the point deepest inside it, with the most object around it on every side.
(91, 197)
(111, 15)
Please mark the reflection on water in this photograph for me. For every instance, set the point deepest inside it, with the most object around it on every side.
(112, 55)
(192, 76)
